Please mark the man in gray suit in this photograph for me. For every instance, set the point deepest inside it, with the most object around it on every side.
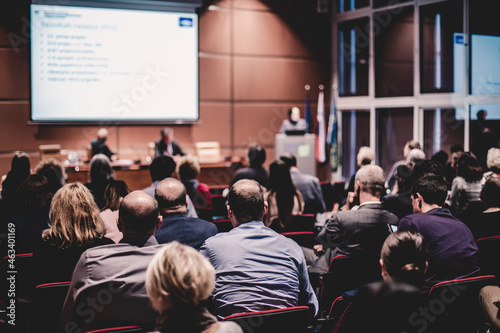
(307, 185)
(357, 233)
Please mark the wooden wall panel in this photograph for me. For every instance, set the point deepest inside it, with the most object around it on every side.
(215, 81)
(14, 73)
(215, 29)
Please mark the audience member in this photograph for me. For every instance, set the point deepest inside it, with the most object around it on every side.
(31, 212)
(466, 187)
(99, 145)
(256, 268)
(113, 196)
(256, 157)
(53, 170)
(12, 181)
(101, 174)
(117, 271)
(451, 249)
(177, 226)
(416, 156)
(163, 167)
(283, 198)
(307, 185)
(294, 123)
(20, 160)
(75, 226)
(365, 156)
(188, 170)
(493, 162)
(391, 176)
(450, 171)
(357, 233)
(167, 145)
(488, 222)
(179, 281)
(441, 158)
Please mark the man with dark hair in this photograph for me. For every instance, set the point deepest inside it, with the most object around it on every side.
(357, 233)
(256, 158)
(294, 124)
(256, 268)
(451, 249)
(161, 168)
(108, 284)
(172, 201)
(167, 146)
(307, 185)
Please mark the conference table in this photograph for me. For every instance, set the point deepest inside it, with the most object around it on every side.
(136, 173)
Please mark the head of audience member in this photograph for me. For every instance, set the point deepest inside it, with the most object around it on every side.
(171, 197)
(75, 219)
(294, 115)
(403, 258)
(455, 152)
(469, 168)
(188, 168)
(245, 201)
(369, 183)
(280, 183)
(490, 193)
(179, 278)
(493, 160)
(289, 159)
(33, 196)
(53, 170)
(428, 192)
(138, 214)
(114, 193)
(167, 134)
(409, 146)
(415, 156)
(441, 157)
(404, 174)
(161, 167)
(481, 116)
(100, 169)
(102, 134)
(365, 156)
(423, 167)
(11, 183)
(256, 155)
(20, 160)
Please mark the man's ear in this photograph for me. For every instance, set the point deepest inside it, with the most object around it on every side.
(160, 222)
(420, 200)
(266, 206)
(229, 211)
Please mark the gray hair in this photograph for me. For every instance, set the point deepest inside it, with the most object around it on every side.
(372, 179)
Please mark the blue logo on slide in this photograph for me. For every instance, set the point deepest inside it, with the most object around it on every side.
(459, 39)
(185, 22)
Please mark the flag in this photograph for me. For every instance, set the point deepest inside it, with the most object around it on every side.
(332, 137)
(320, 140)
(308, 112)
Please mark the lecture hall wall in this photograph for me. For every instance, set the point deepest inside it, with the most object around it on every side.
(255, 58)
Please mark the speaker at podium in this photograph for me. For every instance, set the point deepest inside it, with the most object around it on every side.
(302, 146)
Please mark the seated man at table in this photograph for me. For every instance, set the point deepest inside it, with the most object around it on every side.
(256, 268)
(99, 146)
(167, 146)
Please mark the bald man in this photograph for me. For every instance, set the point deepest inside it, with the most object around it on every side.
(108, 284)
(177, 226)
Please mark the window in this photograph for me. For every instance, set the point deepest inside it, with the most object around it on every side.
(355, 134)
(442, 129)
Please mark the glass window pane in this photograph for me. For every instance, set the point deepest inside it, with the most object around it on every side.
(394, 129)
(355, 134)
(353, 49)
(441, 45)
(484, 130)
(443, 128)
(393, 31)
(384, 3)
(484, 46)
(346, 5)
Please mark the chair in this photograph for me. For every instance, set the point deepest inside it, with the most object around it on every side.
(223, 225)
(208, 152)
(46, 306)
(303, 238)
(21, 264)
(455, 306)
(292, 320)
(122, 329)
(219, 210)
(50, 151)
(218, 189)
(489, 248)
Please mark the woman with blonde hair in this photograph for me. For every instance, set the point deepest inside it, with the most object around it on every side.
(179, 280)
(75, 226)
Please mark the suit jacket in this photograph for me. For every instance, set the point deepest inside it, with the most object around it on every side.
(186, 230)
(311, 192)
(108, 286)
(161, 147)
(355, 233)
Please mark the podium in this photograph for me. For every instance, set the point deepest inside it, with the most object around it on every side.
(303, 147)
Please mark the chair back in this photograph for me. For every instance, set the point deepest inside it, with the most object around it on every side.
(489, 248)
(121, 329)
(208, 152)
(292, 320)
(219, 210)
(303, 238)
(46, 306)
(21, 264)
(455, 303)
(223, 225)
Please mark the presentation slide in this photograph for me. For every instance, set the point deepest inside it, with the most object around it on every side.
(485, 64)
(116, 65)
